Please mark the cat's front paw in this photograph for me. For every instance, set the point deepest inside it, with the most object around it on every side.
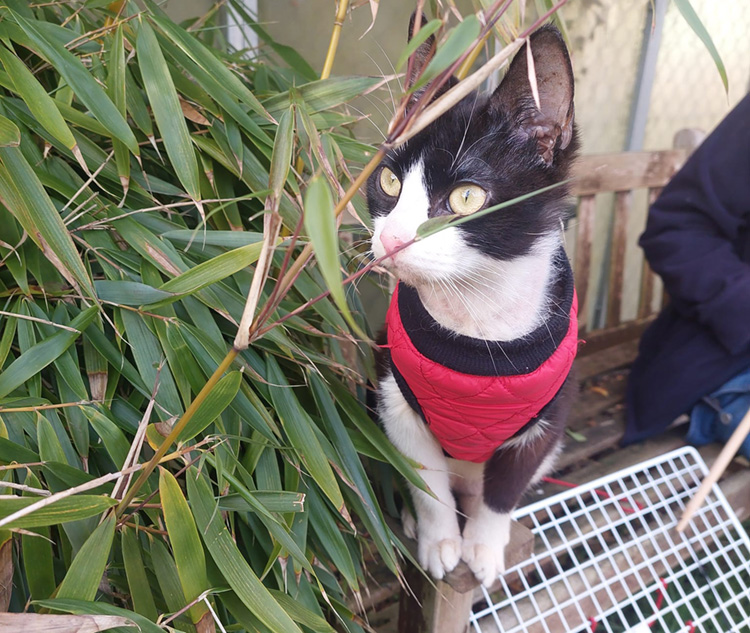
(486, 560)
(483, 548)
(438, 551)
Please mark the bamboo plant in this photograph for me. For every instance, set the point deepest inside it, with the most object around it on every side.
(183, 434)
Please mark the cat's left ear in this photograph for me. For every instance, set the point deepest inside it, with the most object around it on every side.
(419, 60)
(551, 124)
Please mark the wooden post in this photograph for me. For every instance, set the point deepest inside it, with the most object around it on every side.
(444, 606)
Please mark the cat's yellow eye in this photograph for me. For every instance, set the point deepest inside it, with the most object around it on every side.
(390, 183)
(467, 199)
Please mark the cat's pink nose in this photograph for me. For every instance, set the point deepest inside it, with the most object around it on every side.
(390, 242)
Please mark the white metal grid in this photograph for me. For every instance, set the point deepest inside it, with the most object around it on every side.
(608, 559)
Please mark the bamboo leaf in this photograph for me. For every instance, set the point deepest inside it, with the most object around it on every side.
(129, 293)
(81, 82)
(167, 111)
(298, 427)
(61, 511)
(212, 407)
(42, 354)
(37, 554)
(227, 239)
(235, 569)
(25, 197)
(82, 579)
(116, 88)
(42, 106)
(323, 94)
(414, 43)
(695, 23)
(215, 269)
(140, 589)
(206, 59)
(186, 545)
(282, 152)
(458, 41)
(320, 224)
(10, 135)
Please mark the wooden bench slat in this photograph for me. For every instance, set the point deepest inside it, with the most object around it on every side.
(648, 278)
(626, 171)
(623, 203)
(584, 238)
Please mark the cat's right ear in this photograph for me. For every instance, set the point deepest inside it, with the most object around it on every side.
(419, 58)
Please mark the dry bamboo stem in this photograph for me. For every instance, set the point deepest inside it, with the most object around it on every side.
(717, 470)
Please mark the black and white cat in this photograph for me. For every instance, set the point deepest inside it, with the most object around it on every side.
(482, 309)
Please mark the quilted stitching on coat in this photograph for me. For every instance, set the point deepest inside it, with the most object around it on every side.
(473, 415)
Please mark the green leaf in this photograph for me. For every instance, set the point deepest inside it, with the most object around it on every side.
(31, 362)
(81, 82)
(320, 224)
(272, 500)
(140, 588)
(207, 60)
(414, 43)
(42, 106)
(25, 197)
(129, 293)
(116, 88)
(212, 407)
(37, 554)
(82, 579)
(227, 239)
(186, 545)
(282, 152)
(62, 511)
(329, 533)
(228, 558)
(459, 40)
(167, 111)
(695, 23)
(323, 94)
(574, 435)
(298, 427)
(215, 269)
(10, 135)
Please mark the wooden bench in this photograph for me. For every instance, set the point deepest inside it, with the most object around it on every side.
(609, 189)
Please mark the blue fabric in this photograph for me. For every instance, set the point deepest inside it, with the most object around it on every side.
(716, 416)
(697, 239)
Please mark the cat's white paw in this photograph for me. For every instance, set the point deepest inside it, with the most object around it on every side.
(408, 524)
(485, 536)
(486, 560)
(438, 551)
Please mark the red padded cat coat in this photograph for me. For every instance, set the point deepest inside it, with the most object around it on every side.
(474, 401)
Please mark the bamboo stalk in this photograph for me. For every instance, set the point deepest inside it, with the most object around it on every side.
(176, 430)
(335, 35)
(717, 470)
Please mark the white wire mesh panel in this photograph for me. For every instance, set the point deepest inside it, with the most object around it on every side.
(609, 559)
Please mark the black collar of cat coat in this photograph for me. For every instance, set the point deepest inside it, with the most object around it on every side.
(474, 394)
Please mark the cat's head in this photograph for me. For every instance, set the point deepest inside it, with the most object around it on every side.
(486, 150)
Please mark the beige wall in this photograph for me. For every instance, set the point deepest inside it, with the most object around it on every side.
(182, 9)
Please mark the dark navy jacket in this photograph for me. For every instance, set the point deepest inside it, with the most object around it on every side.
(697, 239)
